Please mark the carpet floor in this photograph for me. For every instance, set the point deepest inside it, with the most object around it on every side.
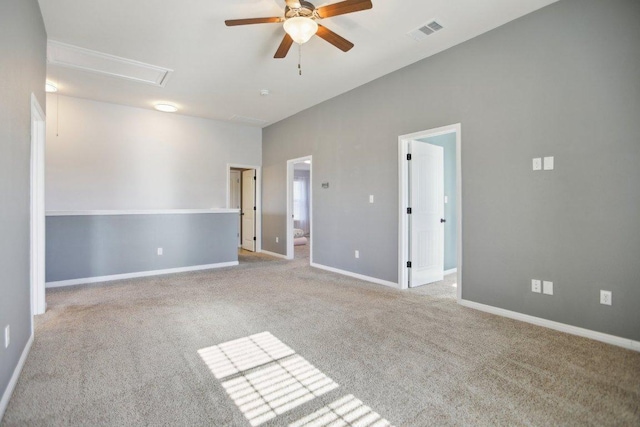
(277, 343)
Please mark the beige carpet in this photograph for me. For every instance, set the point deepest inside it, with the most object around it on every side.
(127, 353)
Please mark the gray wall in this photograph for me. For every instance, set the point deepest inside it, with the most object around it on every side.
(101, 245)
(448, 143)
(562, 81)
(22, 66)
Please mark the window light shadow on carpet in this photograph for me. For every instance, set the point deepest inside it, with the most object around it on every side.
(266, 378)
(346, 411)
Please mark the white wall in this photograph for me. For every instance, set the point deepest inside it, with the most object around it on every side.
(108, 156)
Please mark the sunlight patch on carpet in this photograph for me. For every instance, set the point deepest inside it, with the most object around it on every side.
(264, 377)
(239, 355)
(346, 411)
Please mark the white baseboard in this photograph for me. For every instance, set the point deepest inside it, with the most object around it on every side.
(98, 279)
(450, 271)
(562, 327)
(14, 378)
(273, 254)
(356, 275)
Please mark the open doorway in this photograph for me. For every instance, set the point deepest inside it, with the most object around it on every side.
(430, 238)
(243, 193)
(299, 209)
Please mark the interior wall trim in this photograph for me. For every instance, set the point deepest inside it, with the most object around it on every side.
(4, 402)
(562, 327)
(142, 212)
(98, 279)
(450, 271)
(356, 275)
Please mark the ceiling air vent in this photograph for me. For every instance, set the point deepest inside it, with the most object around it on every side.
(424, 31)
(248, 120)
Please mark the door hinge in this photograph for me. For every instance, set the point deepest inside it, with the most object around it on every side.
(408, 264)
(254, 178)
(254, 208)
(409, 211)
(254, 238)
(409, 156)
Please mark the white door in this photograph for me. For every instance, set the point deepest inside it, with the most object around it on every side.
(426, 199)
(234, 197)
(249, 210)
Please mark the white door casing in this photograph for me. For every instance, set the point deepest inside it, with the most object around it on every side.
(248, 210)
(38, 137)
(427, 213)
(235, 201)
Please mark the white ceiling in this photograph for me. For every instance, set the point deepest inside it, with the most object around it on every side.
(219, 71)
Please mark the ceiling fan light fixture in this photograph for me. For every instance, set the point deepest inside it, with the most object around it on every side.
(300, 28)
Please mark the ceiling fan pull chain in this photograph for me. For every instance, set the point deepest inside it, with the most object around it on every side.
(300, 59)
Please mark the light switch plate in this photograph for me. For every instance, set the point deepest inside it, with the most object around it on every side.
(547, 287)
(548, 163)
(536, 286)
(371, 198)
(160, 252)
(537, 164)
(7, 336)
(357, 254)
(446, 199)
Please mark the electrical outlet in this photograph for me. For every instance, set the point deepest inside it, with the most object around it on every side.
(536, 286)
(7, 336)
(605, 297)
(357, 253)
(277, 239)
(537, 164)
(160, 251)
(547, 287)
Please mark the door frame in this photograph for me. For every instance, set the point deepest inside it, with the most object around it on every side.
(37, 209)
(239, 172)
(403, 200)
(289, 237)
(258, 218)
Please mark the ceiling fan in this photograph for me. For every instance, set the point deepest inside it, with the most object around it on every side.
(299, 22)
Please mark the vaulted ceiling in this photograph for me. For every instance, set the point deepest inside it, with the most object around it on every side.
(219, 71)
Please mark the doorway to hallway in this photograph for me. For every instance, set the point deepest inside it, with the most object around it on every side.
(243, 193)
(299, 208)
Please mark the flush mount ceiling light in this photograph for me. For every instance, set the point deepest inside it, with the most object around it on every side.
(300, 28)
(166, 108)
(50, 87)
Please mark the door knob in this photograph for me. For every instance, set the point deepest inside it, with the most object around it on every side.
(443, 220)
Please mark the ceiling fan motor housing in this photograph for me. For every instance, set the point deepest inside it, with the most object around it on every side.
(306, 10)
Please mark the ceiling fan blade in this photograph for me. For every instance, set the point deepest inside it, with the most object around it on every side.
(293, 4)
(343, 7)
(336, 40)
(284, 47)
(234, 22)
